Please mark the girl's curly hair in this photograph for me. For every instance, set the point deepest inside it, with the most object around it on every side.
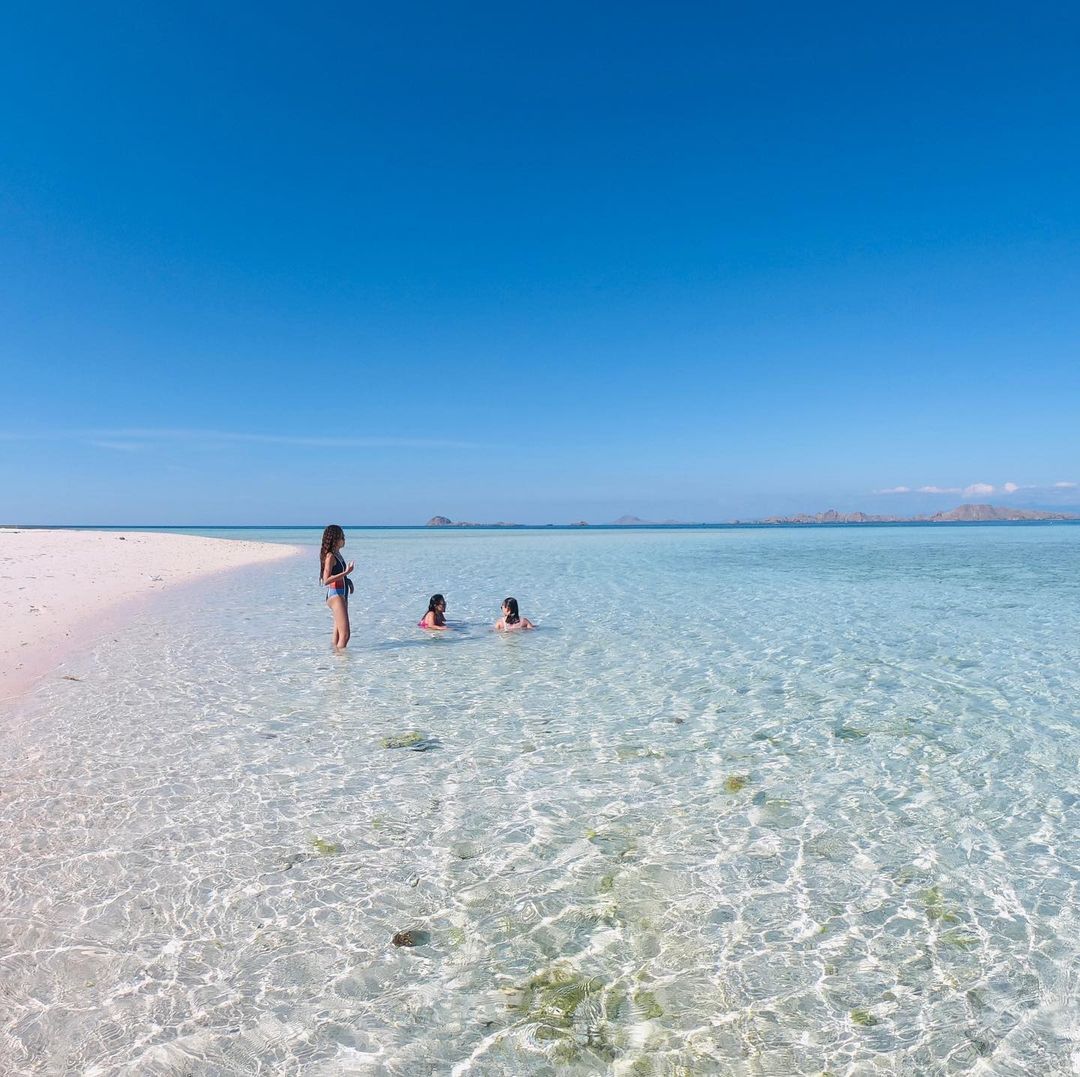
(331, 536)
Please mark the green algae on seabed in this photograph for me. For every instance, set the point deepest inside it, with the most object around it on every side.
(646, 1065)
(601, 913)
(936, 909)
(646, 1002)
(612, 842)
(409, 739)
(734, 782)
(606, 884)
(633, 751)
(324, 847)
(846, 732)
(553, 996)
(765, 737)
(551, 1000)
(864, 1018)
(959, 940)
(614, 1001)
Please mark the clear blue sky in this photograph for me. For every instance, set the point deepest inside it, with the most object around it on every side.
(267, 263)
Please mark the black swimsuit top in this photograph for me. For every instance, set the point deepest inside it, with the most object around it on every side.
(339, 566)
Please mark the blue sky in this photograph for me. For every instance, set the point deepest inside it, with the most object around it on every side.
(699, 261)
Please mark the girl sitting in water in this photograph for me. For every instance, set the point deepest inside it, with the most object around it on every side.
(435, 618)
(334, 573)
(511, 620)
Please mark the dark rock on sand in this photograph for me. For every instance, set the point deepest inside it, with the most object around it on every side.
(412, 937)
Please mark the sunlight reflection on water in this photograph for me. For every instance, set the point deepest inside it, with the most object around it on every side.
(746, 802)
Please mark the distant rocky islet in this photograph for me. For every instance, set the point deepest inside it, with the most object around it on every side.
(622, 521)
(445, 521)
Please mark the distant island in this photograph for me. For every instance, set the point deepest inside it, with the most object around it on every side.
(445, 521)
(637, 521)
(961, 514)
(622, 521)
(971, 514)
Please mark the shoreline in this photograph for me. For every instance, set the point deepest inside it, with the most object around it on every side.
(61, 590)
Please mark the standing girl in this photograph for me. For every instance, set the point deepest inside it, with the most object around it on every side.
(334, 573)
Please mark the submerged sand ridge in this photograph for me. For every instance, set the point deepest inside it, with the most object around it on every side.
(58, 588)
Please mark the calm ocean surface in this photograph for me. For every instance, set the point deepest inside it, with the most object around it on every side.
(747, 802)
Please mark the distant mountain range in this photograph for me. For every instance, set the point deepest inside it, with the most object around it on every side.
(961, 514)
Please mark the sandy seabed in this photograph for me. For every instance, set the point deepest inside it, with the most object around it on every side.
(59, 590)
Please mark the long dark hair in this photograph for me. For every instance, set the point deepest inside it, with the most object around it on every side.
(331, 536)
(433, 607)
(512, 615)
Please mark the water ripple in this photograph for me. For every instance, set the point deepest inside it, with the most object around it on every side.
(811, 807)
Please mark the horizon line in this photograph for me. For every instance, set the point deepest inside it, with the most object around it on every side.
(1064, 518)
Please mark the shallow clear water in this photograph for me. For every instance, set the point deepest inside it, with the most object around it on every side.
(747, 802)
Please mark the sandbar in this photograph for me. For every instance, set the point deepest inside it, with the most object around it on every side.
(59, 590)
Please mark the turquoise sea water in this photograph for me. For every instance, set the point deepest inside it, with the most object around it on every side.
(747, 802)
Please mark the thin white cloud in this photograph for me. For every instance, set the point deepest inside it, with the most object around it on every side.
(117, 446)
(299, 440)
(114, 438)
(980, 489)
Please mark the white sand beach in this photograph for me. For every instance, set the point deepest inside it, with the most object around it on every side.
(59, 590)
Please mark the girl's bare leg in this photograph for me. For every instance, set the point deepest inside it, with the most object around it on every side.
(341, 621)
